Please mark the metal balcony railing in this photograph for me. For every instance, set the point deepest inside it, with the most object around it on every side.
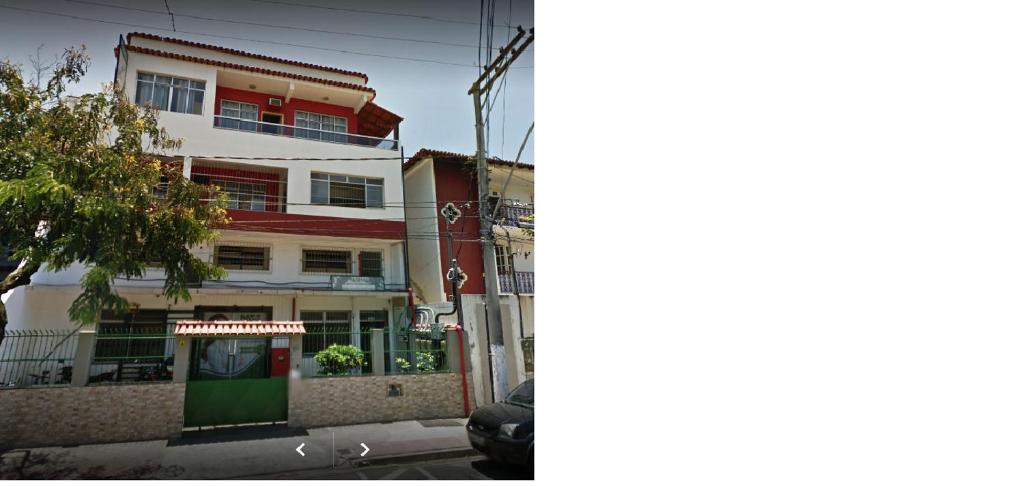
(519, 216)
(523, 279)
(292, 131)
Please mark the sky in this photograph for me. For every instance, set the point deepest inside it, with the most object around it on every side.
(430, 96)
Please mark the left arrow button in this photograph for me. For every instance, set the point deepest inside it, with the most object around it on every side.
(299, 449)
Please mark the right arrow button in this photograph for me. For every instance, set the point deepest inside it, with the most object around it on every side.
(365, 449)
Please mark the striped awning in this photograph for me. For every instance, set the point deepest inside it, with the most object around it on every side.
(238, 328)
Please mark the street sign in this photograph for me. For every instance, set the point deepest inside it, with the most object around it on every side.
(451, 213)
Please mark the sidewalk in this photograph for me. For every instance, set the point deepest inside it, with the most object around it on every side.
(242, 451)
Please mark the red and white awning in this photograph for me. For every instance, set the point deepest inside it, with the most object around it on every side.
(238, 328)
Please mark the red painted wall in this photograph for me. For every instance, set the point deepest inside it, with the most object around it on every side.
(301, 224)
(279, 361)
(453, 183)
(287, 108)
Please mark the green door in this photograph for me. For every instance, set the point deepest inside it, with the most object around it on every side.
(229, 382)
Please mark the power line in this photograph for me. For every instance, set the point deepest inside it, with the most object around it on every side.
(262, 41)
(276, 26)
(171, 14)
(363, 11)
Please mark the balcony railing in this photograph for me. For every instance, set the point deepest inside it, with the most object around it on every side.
(523, 279)
(292, 131)
(516, 215)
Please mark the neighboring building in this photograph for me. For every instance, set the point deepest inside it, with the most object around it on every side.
(315, 249)
(432, 179)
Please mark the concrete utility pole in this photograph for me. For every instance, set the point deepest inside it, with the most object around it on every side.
(483, 84)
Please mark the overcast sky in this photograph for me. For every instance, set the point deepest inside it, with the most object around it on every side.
(430, 96)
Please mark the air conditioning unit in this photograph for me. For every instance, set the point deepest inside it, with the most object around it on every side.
(275, 102)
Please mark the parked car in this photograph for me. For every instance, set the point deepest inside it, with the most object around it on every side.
(504, 431)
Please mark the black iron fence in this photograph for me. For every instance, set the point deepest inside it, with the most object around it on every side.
(41, 357)
(131, 355)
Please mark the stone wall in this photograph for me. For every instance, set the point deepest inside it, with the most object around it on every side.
(321, 402)
(35, 417)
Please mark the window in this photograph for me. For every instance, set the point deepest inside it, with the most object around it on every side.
(320, 127)
(346, 191)
(324, 328)
(146, 324)
(326, 261)
(170, 94)
(504, 259)
(240, 116)
(242, 257)
(244, 195)
(160, 190)
(371, 264)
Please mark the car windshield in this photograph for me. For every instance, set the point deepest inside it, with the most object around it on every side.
(522, 395)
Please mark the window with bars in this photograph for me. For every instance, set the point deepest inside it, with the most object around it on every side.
(237, 115)
(326, 261)
(168, 93)
(244, 195)
(234, 257)
(371, 264)
(324, 328)
(145, 323)
(504, 259)
(346, 191)
(320, 127)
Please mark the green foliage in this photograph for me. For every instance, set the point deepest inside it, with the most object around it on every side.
(424, 363)
(76, 186)
(339, 359)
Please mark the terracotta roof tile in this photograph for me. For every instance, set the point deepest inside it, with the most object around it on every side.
(236, 52)
(425, 153)
(238, 328)
(242, 67)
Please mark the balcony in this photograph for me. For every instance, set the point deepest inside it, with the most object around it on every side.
(248, 187)
(516, 214)
(291, 131)
(523, 279)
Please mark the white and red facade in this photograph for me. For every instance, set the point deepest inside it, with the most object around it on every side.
(441, 177)
(306, 235)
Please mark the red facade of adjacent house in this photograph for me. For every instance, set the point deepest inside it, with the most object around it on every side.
(455, 182)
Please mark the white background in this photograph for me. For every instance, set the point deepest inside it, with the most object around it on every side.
(804, 257)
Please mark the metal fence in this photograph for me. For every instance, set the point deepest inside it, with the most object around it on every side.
(127, 355)
(41, 357)
(413, 352)
(318, 338)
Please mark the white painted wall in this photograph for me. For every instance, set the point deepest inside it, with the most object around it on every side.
(245, 60)
(285, 260)
(424, 254)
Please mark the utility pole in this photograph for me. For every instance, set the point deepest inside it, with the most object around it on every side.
(496, 356)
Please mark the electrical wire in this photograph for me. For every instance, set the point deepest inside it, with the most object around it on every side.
(372, 12)
(262, 41)
(276, 26)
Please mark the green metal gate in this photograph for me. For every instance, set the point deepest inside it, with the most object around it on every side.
(229, 382)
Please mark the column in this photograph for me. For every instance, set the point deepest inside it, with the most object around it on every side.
(83, 357)
(182, 353)
(377, 352)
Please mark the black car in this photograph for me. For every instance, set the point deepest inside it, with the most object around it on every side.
(504, 431)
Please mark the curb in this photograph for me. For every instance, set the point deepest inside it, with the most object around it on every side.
(358, 462)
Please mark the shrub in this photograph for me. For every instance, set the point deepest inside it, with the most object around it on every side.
(424, 363)
(339, 359)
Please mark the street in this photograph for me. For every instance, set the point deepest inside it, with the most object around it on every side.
(473, 467)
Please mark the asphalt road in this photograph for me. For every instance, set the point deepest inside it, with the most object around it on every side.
(474, 467)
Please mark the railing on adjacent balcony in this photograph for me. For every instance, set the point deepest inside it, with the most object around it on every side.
(523, 279)
(516, 215)
(292, 131)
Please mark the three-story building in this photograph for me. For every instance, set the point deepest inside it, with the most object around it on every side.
(312, 170)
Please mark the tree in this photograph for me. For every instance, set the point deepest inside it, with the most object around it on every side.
(78, 181)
